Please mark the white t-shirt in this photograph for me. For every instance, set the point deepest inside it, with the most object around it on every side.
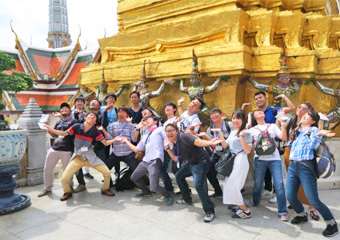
(273, 131)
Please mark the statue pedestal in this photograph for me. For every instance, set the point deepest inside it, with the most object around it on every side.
(12, 149)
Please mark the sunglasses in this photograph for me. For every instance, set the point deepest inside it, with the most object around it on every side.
(303, 109)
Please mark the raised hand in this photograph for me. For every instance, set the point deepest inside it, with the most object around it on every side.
(195, 124)
(56, 114)
(326, 133)
(215, 141)
(180, 101)
(244, 105)
(100, 128)
(129, 119)
(109, 107)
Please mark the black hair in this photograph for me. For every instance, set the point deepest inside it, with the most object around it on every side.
(100, 103)
(173, 126)
(111, 95)
(154, 118)
(91, 112)
(293, 122)
(124, 109)
(150, 110)
(172, 105)
(80, 98)
(260, 93)
(240, 114)
(315, 117)
(135, 92)
(215, 110)
(201, 101)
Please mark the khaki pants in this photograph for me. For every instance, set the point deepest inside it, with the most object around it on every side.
(78, 163)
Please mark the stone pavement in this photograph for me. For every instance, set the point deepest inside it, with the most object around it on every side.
(89, 215)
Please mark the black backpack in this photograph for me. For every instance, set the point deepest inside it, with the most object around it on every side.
(124, 182)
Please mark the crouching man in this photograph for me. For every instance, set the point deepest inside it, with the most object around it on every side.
(190, 147)
(85, 134)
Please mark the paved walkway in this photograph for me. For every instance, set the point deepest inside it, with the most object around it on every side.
(89, 215)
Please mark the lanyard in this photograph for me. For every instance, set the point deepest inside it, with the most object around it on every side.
(122, 129)
(216, 133)
(153, 129)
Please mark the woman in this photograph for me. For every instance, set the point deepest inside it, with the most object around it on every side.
(301, 171)
(293, 131)
(239, 142)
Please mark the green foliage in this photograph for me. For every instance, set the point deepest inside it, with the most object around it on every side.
(16, 82)
(309, 81)
(225, 78)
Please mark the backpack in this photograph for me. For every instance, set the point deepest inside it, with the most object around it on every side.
(324, 161)
(265, 145)
(124, 182)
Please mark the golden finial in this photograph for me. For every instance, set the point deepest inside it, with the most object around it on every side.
(16, 36)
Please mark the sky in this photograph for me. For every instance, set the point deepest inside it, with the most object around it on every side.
(30, 21)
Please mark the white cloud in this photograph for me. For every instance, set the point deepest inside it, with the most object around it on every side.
(30, 20)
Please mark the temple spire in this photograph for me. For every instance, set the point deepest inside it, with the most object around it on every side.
(58, 35)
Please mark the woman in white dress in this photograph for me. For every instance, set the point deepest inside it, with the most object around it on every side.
(239, 142)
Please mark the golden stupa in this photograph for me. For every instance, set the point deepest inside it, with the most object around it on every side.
(237, 38)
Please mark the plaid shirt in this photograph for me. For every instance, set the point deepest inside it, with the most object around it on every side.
(303, 146)
(125, 129)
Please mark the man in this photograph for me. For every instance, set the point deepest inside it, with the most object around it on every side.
(109, 109)
(85, 134)
(189, 117)
(271, 161)
(62, 148)
(79, 113)
(152, 160)
(120, 151)
(190, 147)
(170, 110)
(225, 126)
(141, 129)
(136, 110)
(270, 114)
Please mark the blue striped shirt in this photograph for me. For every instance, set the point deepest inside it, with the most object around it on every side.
(303, 146)
(125, 129)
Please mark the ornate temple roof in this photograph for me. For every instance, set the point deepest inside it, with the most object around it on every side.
(56, 73)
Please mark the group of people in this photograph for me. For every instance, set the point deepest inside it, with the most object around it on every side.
(105, 136)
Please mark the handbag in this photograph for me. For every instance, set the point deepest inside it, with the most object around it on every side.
(226, 163)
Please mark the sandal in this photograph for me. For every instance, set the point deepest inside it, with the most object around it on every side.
(314, 215)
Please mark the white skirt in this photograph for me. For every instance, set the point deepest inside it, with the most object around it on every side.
(233, 184)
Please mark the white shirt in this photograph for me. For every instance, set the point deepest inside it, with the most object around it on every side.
(273, 131)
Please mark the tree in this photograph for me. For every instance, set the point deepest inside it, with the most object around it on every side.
(15, 82)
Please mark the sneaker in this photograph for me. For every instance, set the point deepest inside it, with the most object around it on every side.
(108, 192)
(216, 195)
(299, 219)
(169, 201)
(284, 217)
(66, 196)
(44, 193)
(242, 214)
(88, 176)
(209, 217)
(267, 193)
(143, 194)
(331, 230)
(80, 188)
(273, 199)
(290, 207)
(182, 201)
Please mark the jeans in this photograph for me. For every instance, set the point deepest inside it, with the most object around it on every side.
(199, 173)
(212, 174)
(275, 167)
(114, 160)
(301, 173)
(268, 185)
(164, 173)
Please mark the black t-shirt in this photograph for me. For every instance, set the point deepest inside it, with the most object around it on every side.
(136, 116)
(62, 143)
(188, 151)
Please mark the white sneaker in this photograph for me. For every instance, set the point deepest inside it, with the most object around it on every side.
(209, 217)
(273, 199)
(266, 193)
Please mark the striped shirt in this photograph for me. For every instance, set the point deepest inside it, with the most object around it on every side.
(83, 142)
(125, 129)
(303, 146)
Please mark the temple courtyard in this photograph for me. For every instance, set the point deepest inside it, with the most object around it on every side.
(90, 215)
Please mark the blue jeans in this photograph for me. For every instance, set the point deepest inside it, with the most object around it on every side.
(275, 168)
(301, 173)
(199, 173)
(212, 174)
(164, 173)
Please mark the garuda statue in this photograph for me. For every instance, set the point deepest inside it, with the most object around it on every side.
(285, 86)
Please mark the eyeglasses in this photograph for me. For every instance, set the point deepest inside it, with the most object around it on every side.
(170, 130)
(303, 109)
